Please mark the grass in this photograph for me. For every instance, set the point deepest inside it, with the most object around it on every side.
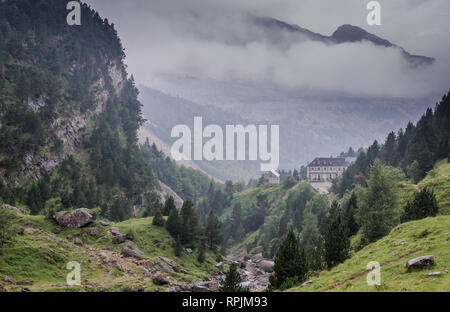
(438, 180)
(42, 253)
(429, 236)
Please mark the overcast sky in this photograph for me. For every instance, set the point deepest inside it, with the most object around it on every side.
(198, 37)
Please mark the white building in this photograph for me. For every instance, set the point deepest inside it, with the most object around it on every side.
(327, 169)
(271, 177)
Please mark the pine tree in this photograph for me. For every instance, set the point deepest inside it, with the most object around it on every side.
(213, 231)
(350, 209)
(178, 248)
(379, 211)
(337, 243)
(158, 219)
(312, 242)
(422, 206)
(201, 253)
(232, 281)
(173, 224)
(169, 205)
(189, 223)
(290, 262)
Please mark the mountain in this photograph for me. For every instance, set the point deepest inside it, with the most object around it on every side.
(312, 122)
(343, 34)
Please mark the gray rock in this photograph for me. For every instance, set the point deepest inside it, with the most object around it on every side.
(434, 273)
(7, 279)
(266, 265)
(420, 261)
(158, 279)
(119, 239)
(132, 253)
(95, 231)
(75, 219)
(188, 250)
(115, 231)
(105, 223)
(24, 282)
(12, 208)
(78, 242)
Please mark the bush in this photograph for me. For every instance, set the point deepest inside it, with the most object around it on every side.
(8, 227)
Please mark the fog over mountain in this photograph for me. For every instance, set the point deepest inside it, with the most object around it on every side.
(314, 67)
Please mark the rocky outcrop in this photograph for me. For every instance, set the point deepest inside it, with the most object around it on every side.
(266, 265)
(75, 219)
(12, 208)
(420, 261)
(132, 253)
(118, 238)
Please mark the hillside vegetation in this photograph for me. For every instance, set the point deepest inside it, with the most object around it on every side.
(430, 236)
(39, 257)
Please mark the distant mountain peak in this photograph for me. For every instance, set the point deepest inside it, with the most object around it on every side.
(344, 34)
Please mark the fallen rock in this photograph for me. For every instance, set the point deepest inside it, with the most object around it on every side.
(75, 219)
(115, 231)
(12, 208)
(132, 253)
(158, 279)
(188, 250)
(403, 243)
(7, 279)
(78, 242)
(266, 265)
(105, 222)
(420, 261)
(434, 273)
(95, 231)
(119, 239)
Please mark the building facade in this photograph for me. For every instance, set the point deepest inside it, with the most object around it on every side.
(271, 177)
(327, 169)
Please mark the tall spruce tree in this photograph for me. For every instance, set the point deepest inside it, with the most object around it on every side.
(232, 281)
(337, 242)
(290, 262)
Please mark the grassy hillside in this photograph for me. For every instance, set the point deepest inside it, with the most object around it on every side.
(41, 254)
(438, 179)
(429, 236)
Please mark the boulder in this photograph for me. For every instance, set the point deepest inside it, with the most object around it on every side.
(78, 242)
(115, 231)
(132, 253)
(158, 279)
(12, 208)
(306, 283)
(75, 219)
(95, 231)
(434, 273)
(119, 239)
(7, 279)
(188, 250)
(266, 265)
(420, 261)
(105, 222)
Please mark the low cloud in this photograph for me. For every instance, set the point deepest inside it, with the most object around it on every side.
(214, 39)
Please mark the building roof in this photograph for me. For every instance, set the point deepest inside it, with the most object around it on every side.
(274, 173)
(330, 161)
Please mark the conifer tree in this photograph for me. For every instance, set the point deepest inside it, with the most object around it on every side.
(337, 242)
(178, 248)
(423, 205)
(290, 262)
(213, 231)
(201, 252)
(169, 205)
(232, 281)
(173, 224)
(158, 219)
